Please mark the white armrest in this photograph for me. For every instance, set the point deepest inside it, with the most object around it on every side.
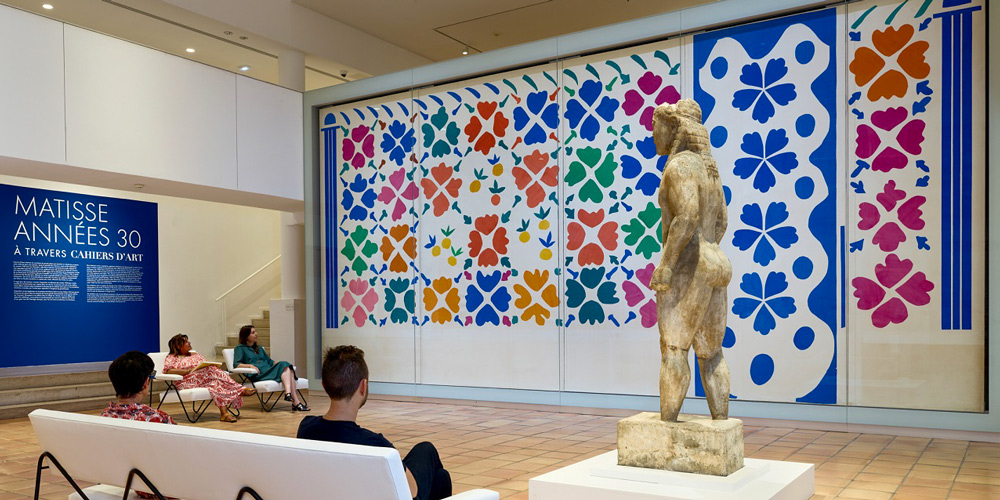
(479, 494)
(169, 376)
(249, 371)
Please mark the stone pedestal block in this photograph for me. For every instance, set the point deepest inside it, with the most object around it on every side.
(691, 444)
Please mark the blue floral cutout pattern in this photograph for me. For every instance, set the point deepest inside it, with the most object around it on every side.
(398, 142)
(764, 88)
(763, 230)
(764, 156)
(486, 300)
(359, 191)
(647, 182)
(591, 309)
(582, 112)
(539, 116)
(764, 299)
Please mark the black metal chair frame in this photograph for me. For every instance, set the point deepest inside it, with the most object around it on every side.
(246, 490)
(198, 408)
(276, 395)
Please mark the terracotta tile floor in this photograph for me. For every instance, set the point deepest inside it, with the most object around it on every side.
(500, 447)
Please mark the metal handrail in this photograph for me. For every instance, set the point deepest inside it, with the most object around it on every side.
(255, 273)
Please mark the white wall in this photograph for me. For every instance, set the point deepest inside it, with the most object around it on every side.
(205, 248)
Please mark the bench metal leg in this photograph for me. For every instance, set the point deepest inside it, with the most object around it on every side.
(246, 490)
(128, 484)
(277, 396)
(38, 475)
(197, 410)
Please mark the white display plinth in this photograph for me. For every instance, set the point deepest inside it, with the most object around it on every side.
(601, 478)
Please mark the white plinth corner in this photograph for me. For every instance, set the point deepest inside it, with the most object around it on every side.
(601, 478)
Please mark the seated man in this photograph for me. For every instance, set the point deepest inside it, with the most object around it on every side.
(131, 375)
(345, 379)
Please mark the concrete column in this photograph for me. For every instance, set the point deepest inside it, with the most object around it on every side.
(292, 70)
(293, 252)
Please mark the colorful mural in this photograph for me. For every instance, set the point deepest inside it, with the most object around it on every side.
(528, 200)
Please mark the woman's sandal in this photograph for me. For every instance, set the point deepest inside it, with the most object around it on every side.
(249, 391)
(227, 418)
(288, 397)
(300, 407)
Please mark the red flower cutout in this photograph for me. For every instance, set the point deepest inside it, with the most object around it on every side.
(908, 213)
(480, 132)
(441, 188)
(533, 180)
(871, 295)
(486, 230)
(592, 252)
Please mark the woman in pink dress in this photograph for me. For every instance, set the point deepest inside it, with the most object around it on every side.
(224, 390)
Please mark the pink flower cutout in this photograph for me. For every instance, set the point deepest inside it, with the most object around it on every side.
(909, 138)
(634, 294)
(908, 213)
(649, 84)
(395, 191)
(359, 300)
(359, 147)
(872, 295)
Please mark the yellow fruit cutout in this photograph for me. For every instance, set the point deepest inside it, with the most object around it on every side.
(436, 251)
(546, 254)
(543, 225)
(474, 186)
(452, 260)
(525, 236)
(498, 169)
(446, 243)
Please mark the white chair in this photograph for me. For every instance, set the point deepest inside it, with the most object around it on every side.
(198, 397)
(273, 388)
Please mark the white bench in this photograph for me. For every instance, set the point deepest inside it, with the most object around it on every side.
(197, 397)
(210, 464)
(273, 388)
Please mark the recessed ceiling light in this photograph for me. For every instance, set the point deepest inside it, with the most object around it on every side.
(47, 6)
(465, 51)
(190, 50)
(244, 68)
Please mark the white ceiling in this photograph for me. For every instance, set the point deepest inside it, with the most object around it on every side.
(359, 38)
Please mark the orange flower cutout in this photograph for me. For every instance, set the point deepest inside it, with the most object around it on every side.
(533, 180)
(485, 243)
(398, 243)
(591, 252)
(444, 186)
(536, 281)
(479, 131)
(443, 288)
(868, 63)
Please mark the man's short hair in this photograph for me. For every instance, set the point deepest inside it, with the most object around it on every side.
(129, 372)
(344, 368)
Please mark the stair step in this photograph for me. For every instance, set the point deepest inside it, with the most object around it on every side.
(57, 393)
(22, 410)
(261, 323)
(31, 381)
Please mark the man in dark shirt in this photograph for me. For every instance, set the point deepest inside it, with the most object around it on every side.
(345, 379)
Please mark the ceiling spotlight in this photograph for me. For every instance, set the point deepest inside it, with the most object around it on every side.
(244, 68)
(47, 6)
(190, 50)
(465, 51)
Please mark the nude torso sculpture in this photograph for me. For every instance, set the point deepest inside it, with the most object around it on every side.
(693, 273)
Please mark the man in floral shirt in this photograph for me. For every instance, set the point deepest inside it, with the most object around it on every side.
(131, 375)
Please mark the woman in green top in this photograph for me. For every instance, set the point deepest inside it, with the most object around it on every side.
(250, 355)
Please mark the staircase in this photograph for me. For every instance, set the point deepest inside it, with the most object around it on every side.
(64, 391)
(263, 326)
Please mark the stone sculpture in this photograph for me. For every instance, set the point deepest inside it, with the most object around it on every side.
(690, 283)
(693, 273)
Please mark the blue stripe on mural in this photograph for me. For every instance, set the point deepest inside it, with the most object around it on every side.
(329, 183)
(967, 133)
(956, 185)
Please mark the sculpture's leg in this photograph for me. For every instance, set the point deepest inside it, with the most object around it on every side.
(675, 377)
(708, 347)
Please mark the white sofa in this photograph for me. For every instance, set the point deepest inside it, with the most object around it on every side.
(273, 388)
(210, 464)
(198, 398)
